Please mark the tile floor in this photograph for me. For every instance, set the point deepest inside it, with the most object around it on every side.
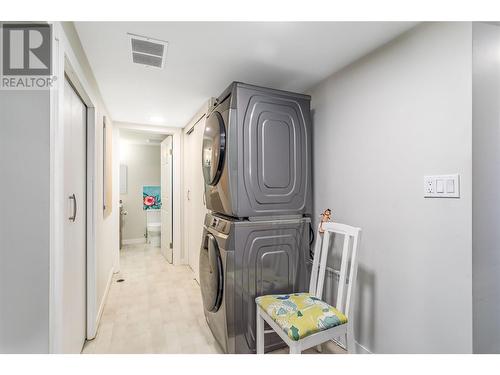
(156, 309)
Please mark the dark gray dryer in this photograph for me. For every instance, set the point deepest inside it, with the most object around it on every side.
(241, 260)
(257, 153)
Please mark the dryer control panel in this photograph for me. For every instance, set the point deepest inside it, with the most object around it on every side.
(217, 223)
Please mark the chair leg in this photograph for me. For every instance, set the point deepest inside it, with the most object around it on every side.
(351, 346)
(295, 349)
(260, 332)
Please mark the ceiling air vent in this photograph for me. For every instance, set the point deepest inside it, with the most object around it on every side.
(148, 51)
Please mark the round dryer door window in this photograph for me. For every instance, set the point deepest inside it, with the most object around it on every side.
(211, 274)
(214, 148)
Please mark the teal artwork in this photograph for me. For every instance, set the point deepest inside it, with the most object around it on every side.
(151, 197)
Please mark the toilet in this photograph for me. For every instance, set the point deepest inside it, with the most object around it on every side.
(153, 227)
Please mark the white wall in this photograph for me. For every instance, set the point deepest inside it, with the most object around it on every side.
(24, 224)
(379, 126)
(143, 168)
(486, 187)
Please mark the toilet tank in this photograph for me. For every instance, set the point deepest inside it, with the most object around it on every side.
(153, 216)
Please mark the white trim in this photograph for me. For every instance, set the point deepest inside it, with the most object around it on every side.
(103, 302)
(56, 183)
(91, 223)
(198, 116)
(134, 241)
(362, 349)
(177, 211)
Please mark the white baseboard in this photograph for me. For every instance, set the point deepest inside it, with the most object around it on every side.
(104, 298)
(360, 349)
(134, 241)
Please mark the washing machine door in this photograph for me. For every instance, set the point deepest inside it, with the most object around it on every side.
(211, 274)
(214, 148)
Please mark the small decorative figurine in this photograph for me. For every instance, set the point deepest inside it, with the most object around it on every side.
(326, 216)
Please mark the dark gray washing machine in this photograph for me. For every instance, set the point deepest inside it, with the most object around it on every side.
(257, 153)
(240, 260)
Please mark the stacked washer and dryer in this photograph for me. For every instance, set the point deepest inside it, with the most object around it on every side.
(257, 171)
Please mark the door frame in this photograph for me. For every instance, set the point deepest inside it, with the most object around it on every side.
(179, 256)
(170, 198)
(199, 116)
(66, 64)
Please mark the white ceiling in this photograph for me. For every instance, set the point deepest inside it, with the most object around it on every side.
(141, 137)
(203, 58)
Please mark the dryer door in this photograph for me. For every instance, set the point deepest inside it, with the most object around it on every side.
(211, 274)
(214, 148)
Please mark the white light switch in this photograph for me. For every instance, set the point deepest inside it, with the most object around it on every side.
(442, 186)
(450, 186)
(439, 186)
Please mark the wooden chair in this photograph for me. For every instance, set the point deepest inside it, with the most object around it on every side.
(303, 320)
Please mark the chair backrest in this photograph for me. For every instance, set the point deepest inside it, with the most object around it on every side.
(346, 285)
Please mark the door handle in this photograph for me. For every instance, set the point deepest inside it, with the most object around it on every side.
(73, 198)
(188, 195)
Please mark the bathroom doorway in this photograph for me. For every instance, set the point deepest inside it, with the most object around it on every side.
(146, 186)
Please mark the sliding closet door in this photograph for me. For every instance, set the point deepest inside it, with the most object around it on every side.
(74, 256)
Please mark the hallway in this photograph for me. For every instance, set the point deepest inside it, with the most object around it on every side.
(156, 309)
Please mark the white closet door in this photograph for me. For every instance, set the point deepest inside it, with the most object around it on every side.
(166, 199)
(75, 255)
(195, 207)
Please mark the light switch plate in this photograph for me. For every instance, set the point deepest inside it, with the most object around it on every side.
(442, 186)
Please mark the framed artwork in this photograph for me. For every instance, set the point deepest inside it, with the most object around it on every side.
(151, 197)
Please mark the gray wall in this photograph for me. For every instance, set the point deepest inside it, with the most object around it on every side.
(144, 167)
(379, 126)
(486, 197)
(24, 221)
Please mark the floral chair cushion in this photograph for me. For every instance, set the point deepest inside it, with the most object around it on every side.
(300, 314)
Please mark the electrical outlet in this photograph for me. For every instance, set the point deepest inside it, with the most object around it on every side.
(442, 186)
(429, 185)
